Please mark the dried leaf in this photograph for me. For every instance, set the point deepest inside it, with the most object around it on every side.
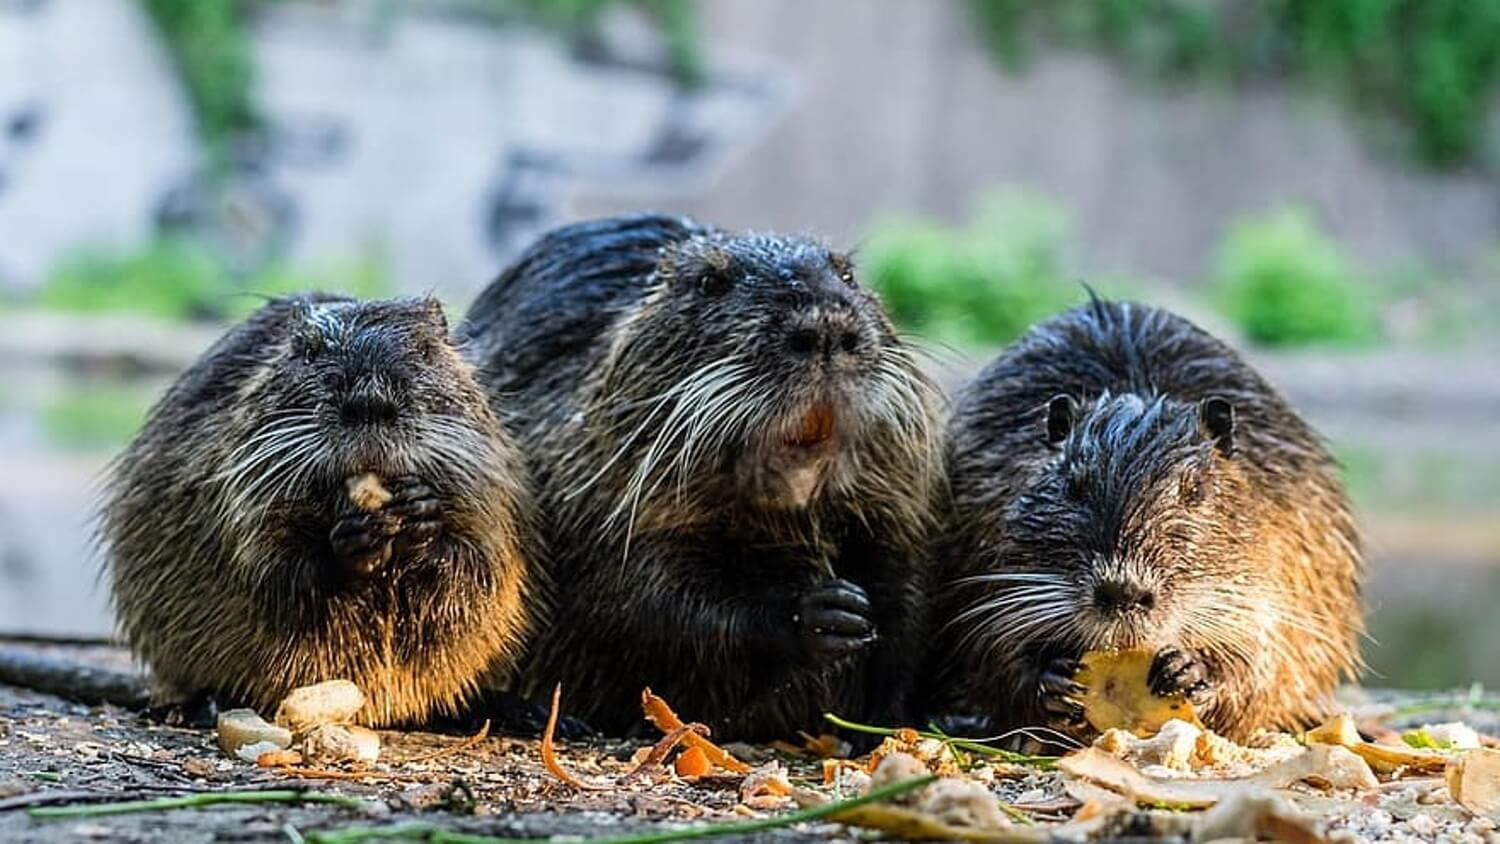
(1119, 696)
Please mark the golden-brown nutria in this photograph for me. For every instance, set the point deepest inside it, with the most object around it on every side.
(325, 494)
(734, 457)
(1121, 479)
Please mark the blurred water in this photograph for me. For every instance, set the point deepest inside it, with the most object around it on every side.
(1429, 490)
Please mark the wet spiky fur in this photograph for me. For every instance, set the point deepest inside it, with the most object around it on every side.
(643, 357)
(1250, 558)
(217, 519)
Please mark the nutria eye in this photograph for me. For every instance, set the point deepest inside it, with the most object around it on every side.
(715, 283)
(306, 347)
(1193, 489)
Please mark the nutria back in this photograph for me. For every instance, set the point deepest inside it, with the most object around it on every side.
(1122, 479)
(325, 494)
(735, 461)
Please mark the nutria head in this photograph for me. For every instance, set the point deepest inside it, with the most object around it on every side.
(347, 387)
(1134, 531)
(758, 374)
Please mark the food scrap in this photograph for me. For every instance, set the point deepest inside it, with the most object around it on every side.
(660, 714)
(367, 492)
(1120, 697)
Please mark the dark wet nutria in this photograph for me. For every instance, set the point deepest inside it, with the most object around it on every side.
(1121, 479)
(735, 458)
(325, 494)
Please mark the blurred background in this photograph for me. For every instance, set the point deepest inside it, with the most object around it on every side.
(1314, 179)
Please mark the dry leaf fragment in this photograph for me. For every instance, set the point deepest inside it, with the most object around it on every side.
(1119, 696)
(1474, 781)
(659, 713)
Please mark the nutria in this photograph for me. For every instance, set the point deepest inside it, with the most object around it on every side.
(735, 459)
(325, 494)
(1122, 479)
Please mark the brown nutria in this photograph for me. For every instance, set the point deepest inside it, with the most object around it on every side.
(735, 457)
(1122, 479)
(325, 494)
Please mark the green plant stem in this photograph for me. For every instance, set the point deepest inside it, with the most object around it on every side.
(1482, 705)
(193, 801)
(438, 835)
(970, 745)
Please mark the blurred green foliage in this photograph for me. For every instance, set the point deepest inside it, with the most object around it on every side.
(101, 417)
(175, 279)
(210, 45)
(1280, 279)
(984, 283)
(1433, 65)
(678, 20)
(211, 49)
(1284, 283)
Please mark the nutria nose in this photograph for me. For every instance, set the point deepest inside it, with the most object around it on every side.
(826, 334)
(368, 409)
(1116, 596)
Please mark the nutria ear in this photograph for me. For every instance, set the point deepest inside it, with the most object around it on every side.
(1216, 416)
(434, 310)
(1061, 411)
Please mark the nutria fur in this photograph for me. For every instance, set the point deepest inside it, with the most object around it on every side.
(241, 567)
(734, 457)
(1122, 479)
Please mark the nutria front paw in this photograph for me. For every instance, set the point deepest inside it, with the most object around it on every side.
(416, 507)
(362, 541)
(833, 621)
(1176, 671)
(1061, 695)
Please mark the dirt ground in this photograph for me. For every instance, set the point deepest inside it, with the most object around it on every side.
(57, 753)
(53, 753)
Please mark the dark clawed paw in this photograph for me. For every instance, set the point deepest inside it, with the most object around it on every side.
(362, 541)
(1061, 694)
(1176, 671)
(833, 621)
(200, 712)
(416, 506)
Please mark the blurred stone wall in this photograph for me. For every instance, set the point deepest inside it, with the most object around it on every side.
(902, 110)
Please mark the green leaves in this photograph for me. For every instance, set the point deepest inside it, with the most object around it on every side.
(1284, 283)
